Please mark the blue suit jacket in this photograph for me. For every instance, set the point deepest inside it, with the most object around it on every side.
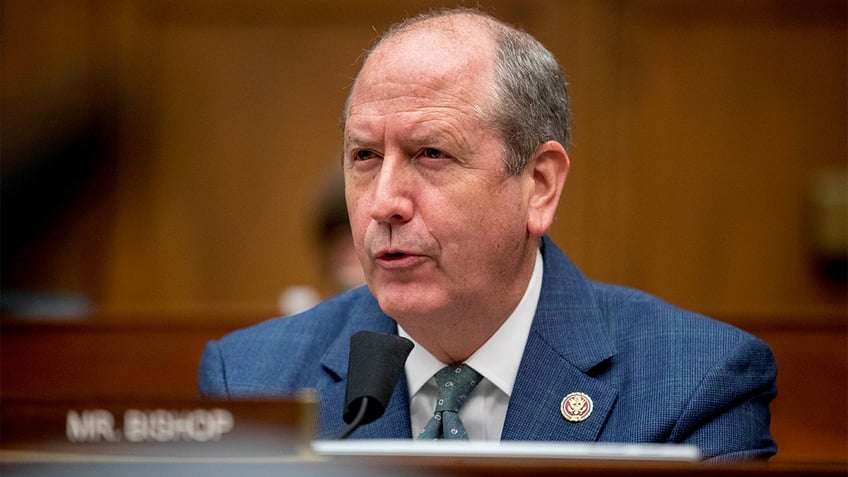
(655, 373)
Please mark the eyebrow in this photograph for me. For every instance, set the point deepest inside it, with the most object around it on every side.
(351, 140)
(418, 136)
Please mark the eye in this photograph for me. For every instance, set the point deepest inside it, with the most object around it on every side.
(363, 155)
(433, 153)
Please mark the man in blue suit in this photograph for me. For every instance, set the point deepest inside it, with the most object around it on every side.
(454, 165)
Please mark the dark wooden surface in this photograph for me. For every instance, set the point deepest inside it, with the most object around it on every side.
(156, 356)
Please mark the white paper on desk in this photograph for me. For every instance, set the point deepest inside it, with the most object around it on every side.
(508, 449)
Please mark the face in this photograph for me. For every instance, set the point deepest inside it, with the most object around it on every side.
(439, 227)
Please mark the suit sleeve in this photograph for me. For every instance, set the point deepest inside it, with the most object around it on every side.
(211, 379)
(728, 416)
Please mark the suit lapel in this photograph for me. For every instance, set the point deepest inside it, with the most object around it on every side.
(544, 379)
(567, 342)
(365, 315)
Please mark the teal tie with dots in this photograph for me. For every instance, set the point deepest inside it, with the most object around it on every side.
(454, 384)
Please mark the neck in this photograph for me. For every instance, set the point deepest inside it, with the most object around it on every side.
(455, 344)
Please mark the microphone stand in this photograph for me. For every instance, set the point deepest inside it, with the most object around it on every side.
(357, 421)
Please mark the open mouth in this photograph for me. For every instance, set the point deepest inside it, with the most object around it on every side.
(398, 259)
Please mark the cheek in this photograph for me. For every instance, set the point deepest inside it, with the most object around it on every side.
(358, 229)
(497, 210)
(356, 211)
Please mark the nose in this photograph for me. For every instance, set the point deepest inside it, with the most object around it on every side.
(392, 193)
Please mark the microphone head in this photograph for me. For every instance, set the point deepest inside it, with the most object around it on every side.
(376, 361)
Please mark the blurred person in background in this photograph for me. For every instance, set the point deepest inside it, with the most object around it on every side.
(339, 265)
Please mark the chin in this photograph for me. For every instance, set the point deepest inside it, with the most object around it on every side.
(419, 294)
(404, 311)
(409, 305)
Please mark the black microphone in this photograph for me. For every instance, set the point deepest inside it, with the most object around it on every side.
(376, 361)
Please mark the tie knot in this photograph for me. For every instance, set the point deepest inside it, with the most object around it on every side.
(454, 383)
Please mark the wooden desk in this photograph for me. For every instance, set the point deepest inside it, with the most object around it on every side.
(155, 355)
(417, 467)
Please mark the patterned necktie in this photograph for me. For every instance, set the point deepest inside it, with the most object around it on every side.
(454, 383)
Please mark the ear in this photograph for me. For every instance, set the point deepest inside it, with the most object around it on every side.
(547, 172)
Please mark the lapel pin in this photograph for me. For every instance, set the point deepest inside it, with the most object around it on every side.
(576, 407)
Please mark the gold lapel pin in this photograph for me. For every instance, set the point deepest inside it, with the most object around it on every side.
(576, 407)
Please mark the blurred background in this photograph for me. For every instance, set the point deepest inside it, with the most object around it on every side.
(164, 166)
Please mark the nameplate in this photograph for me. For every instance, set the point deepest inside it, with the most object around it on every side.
(162, 428)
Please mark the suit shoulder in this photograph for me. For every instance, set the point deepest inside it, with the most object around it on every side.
(695, 379)
(309, 328)
(642, 316)
(283, 354)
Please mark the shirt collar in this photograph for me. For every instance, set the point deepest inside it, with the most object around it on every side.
(499, 357)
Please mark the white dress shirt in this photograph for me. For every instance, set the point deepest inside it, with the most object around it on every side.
(497, 361)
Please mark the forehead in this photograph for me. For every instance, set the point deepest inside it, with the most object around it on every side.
(433, 65)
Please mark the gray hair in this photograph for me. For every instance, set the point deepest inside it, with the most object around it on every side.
(529, 99)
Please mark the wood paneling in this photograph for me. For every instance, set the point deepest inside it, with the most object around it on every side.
(810, 413)
(698, 126)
